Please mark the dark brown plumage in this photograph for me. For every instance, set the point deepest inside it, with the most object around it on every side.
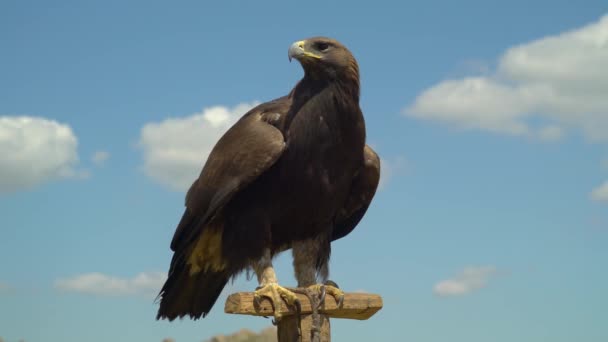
(291, 173)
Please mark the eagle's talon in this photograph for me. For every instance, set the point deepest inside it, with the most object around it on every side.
(337, 294)
(341, 301)
(334, 291)
(331, 283)
(275, 294)
(298, 306)
(322, 294)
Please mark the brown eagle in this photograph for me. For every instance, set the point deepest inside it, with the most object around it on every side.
(294, 173)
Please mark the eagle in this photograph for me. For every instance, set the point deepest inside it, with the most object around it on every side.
(293, 173)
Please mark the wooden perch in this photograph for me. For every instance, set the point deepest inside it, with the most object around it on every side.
(356, 306)
(359, 306)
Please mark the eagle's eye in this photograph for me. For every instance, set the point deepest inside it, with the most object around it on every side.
(322, 46)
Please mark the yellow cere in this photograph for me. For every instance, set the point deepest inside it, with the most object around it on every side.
(301, 45)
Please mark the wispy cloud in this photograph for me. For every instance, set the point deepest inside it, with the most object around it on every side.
(35, 150)
(176, 149)
(390, 168)
(601, 192)
(560, 81)
(145, 283)
(99, 158)
(468, 280)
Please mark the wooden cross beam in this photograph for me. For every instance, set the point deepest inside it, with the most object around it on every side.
(359, 306)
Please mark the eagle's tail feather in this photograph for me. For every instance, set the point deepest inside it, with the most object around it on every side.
(193, 295)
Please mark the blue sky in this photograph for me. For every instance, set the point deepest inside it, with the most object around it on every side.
(490, 117)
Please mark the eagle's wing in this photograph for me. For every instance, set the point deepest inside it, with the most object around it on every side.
(362, 191)
(243, 153)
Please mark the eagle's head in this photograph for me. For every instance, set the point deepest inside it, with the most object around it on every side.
(323, 57)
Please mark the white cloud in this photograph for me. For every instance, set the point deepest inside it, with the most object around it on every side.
(389, 168)
(35, 150)
(561, 79)
(100, 157)
(467, 281)
(145, 283)
(175, 150)
(601, 192)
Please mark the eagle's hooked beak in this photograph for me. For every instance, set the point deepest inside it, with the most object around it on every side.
(297, 51)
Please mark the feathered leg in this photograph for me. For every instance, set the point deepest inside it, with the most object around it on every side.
(269, 287)
(310, 259)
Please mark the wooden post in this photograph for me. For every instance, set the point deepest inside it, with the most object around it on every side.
(359, 306)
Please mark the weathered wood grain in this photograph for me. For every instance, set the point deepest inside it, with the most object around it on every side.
(359, 306)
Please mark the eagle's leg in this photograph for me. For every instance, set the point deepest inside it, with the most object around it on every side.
(270, 288)
(310, 260)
